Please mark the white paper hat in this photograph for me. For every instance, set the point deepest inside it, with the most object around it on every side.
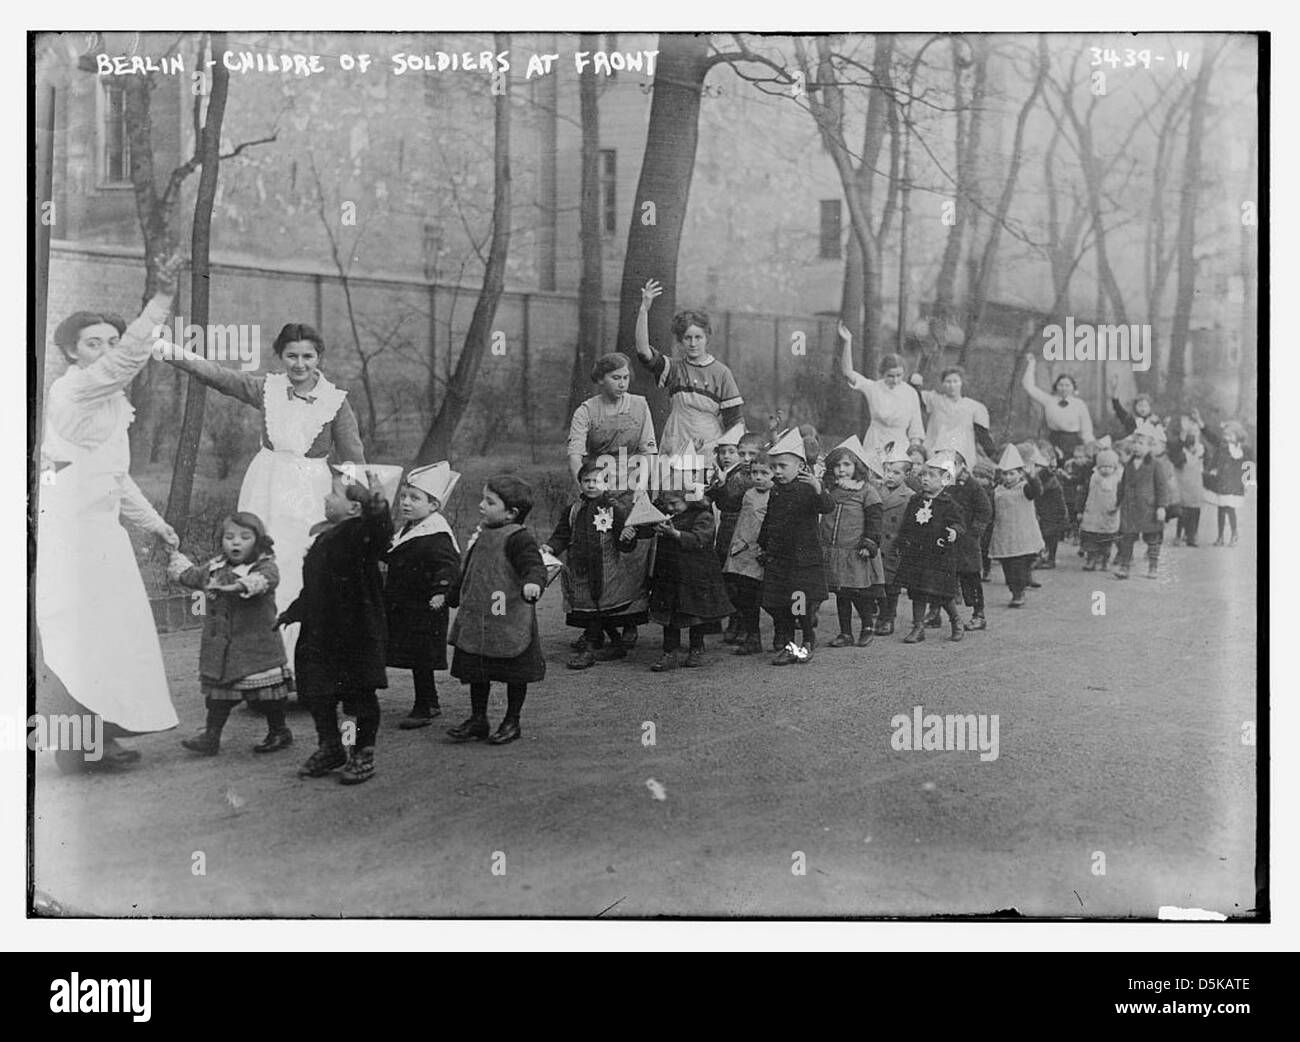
(1011, 459)
(945, 464)
(437, 480)
(854, 444)
(790, 443)
(389, 475)
(644, 512)
(733, 436)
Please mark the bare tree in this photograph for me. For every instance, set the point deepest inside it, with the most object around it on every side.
(591, 307)
(437, 440)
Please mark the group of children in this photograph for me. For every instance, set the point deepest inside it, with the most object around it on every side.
(357, 622)
(779, 528)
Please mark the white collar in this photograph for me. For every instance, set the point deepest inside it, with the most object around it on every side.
(434, 524)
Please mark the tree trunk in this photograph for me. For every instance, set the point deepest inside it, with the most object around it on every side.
(1190, 197)
(1247, 394)
(851, 316)
(187, 449)
(979, 290)
(591, 285)
(437, 442)
(665, 184)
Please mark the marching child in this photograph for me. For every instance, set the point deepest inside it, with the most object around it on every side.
(727, 492)
(851, 538)
(794, 578)
(1053, 516)
(1143, 496)
(917, 455)
(742, 572)
(502, 577)
(895, 496)
(1191, 481)
(341, 647)
(1227, 463)
(978, 513)
(241, 657)
(604, 591)
(423, 565)
(1016, 539)
(927, 566)
(687, 589)
(1099, 523)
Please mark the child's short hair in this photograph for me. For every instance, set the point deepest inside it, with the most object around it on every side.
(839, 453)
(262, 542)
(751, 441)
(354, 489)
(688, 317)
(762, 460)
(610, 363)
(591, 466)
(517, 495)
(918, 450)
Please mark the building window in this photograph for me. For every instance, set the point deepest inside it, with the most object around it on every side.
(115, 150)
(609, 190)
(830, 230)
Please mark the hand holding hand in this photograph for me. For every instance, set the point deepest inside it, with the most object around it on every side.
(169, 537)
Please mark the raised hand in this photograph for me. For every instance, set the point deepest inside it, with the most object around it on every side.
(844, 333)
(165, 278)
(649, 291)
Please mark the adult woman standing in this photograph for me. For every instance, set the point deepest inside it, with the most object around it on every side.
(96, 631)
(1068, 421)
(705, 397)
(895, 408)
(955, 422)
(612, 419)
(304, 417)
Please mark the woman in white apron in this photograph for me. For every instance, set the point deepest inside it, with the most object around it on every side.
(96, 630)
(895, 408)
(307, 421)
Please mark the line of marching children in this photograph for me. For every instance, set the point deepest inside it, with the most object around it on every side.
(777, 530)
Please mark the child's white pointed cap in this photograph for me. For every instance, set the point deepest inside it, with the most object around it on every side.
(1011, 459)
(854, 444)
(790, 443)
(644, 512)
(437, 480)
(389, 475)
(946, 465)
(733, 436)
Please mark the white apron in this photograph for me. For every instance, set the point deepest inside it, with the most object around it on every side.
(286, 488)
(97, 630)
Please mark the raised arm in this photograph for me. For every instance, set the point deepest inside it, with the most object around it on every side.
(1032, 389)
(854, 379)
(245, 386)
(116, 368)
(644, 351)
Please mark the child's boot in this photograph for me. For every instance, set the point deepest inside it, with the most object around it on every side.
(694, 658)
(868, 631)
(884, 627)
(615, 649)
(1121, 571)
(325, 759)
(584, 659)
(359, 768)
(277, 738)
(1153, 570)
(1017, 599)
(977, 622)
(932, 620)
(668, 661)
(733, 633)
(508, 731)
(475, 729)
(421, 715)
(206, 743)
(843, 640)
